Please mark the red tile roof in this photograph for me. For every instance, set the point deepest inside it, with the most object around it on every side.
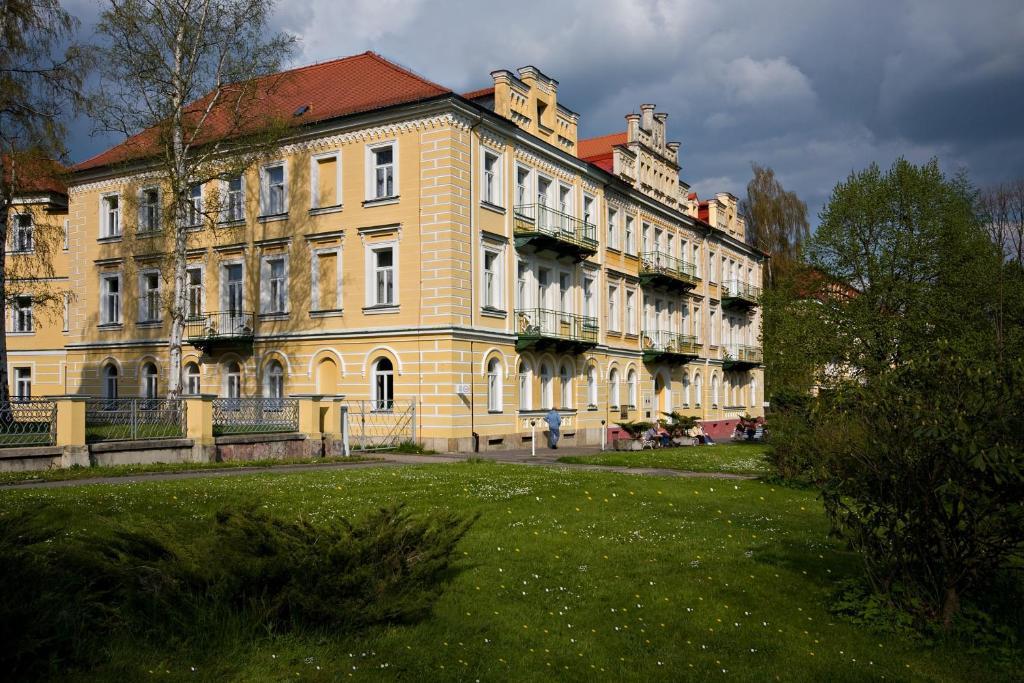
(340, 87)
(477, 94)
(600, 146)
(37, 175)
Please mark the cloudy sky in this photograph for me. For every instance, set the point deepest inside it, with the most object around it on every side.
(812, 88)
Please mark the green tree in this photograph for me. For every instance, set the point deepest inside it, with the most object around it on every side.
(41, 72)
(187, 82)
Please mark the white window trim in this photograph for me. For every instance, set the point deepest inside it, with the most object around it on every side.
(371, 278)
(314, 299)
(583, 209)
(530, 196)
(67, 234)
(499, 277)
(371, 171)
(570, 205)
(142, 295)
(629, 243)
(612, 227)
(614, 325)
(103, 216)
(16, 310)
(314, 174)
(225, 201)
(265, 302)
(222, 299)
(499, 176)
(495, 395)
(119, 318)
(202, 289)
(265, 188)
(630, 317)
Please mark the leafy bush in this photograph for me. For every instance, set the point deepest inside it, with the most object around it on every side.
(62, 596)
(636, 428)
(679, 425)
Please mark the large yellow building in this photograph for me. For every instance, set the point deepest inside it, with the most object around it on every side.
(407, 243)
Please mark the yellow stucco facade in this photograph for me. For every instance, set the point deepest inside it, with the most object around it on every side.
(456, 253)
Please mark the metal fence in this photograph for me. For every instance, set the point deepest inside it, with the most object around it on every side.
(32, 422)
(255, 415)
(113, 419)
(375, 426)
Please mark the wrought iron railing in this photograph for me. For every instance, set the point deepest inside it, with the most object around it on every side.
(544, 322)
(114, 419)
(743, 354)
(373, 426)
(661, 341)
(29, 422)
(236, 325)
(738, 289)
(541, 219)
(255, 415)
(658, 263)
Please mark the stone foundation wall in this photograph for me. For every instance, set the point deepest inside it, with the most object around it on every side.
(267, 447)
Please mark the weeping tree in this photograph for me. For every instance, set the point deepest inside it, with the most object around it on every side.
(190, 85)
(41, 71)
(777, 219)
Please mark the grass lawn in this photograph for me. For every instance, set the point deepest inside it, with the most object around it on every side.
(738, 458)
(129, 470)
(567, 575)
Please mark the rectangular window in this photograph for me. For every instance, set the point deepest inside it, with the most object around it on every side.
(111, 216)
(589, 300)
(194, 206)
(492, 178)
(521, 286)
(382, 166)
(22, 238)
(384, 277)
(630, 237)
(149, 297)
(696, 260)
(492, 280)
(565, 204)
(234, 199)
(110, 302)
(588, 210)
(522, 187)
(613, 229)
(273, 199)
(194, 292)
(630, 311)
(22, 314)
(66, 317)
(274, 285)
(232, 293)
(67, 234)
(326, 183)
(712, 265)
(149, 211)
(327, 280)
(697, 325)
(565, 292)
(23, 384)
(613, 307)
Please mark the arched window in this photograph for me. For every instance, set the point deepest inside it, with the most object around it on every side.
(592, 386)
(714, 390)
(565, 379)
(149, 381)
(383, 385)
(191, 377)
(631, 384)
(698, 389)
(525, 395)
(494, 387)
(686, 389)
(547, 394)
(109, 381)
(233, 380)
(273, 380)
(613, 388)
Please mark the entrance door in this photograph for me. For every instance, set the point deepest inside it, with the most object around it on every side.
(232, 296)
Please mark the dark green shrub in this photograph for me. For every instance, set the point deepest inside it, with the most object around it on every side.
(635, 429)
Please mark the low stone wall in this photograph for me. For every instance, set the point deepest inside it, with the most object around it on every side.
(147, 452)
(267, 447)
(31, 458)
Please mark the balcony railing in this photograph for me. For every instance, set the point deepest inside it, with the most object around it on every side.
(542, 327)
(547, 229)
(742, 357)
(738, 294)
(662, 345)
(222, 328)
(662, 270)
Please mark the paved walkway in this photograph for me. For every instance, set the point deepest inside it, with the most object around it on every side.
(544, 458)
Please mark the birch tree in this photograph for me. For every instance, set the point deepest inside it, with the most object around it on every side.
(41, 72)
(778, 220)
(189, 83)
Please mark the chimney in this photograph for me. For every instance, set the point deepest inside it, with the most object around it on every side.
(647, 116)
(632, 123)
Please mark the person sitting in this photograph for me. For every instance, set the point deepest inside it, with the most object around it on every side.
(651, 435)
(664, 437)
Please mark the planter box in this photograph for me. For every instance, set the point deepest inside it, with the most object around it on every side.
(628, 444)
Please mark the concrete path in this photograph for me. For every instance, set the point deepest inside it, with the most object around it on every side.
(544, 458)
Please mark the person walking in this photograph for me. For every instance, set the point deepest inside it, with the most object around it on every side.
(554, 421)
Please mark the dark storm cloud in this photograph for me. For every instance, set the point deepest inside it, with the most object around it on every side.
(814, 89)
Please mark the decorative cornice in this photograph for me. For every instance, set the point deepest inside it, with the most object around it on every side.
(557, 170)
(492, 138)
(375, 230)
(448, 119)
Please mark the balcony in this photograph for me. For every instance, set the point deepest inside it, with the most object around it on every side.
(557, 233)
(542, 328)
(742, 357)
(659, 345)
(220, 330)
(739, 295)
(667, 272)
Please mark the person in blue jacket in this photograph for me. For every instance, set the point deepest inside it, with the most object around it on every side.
(554, 421)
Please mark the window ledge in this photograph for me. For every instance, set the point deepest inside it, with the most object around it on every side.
(614, 249)
(276, 315)
(493, 312)
(110, 238)
(375, 310)
(272, 217)
(233, 223)
(381, 201)
(592, 408)
(495, 412)
(632, 255)
(110, 326)
(321, 210)
(327, 313)
(21, 334)
(492, 207)
(149, 323)
(20, 252)
(143, 234)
